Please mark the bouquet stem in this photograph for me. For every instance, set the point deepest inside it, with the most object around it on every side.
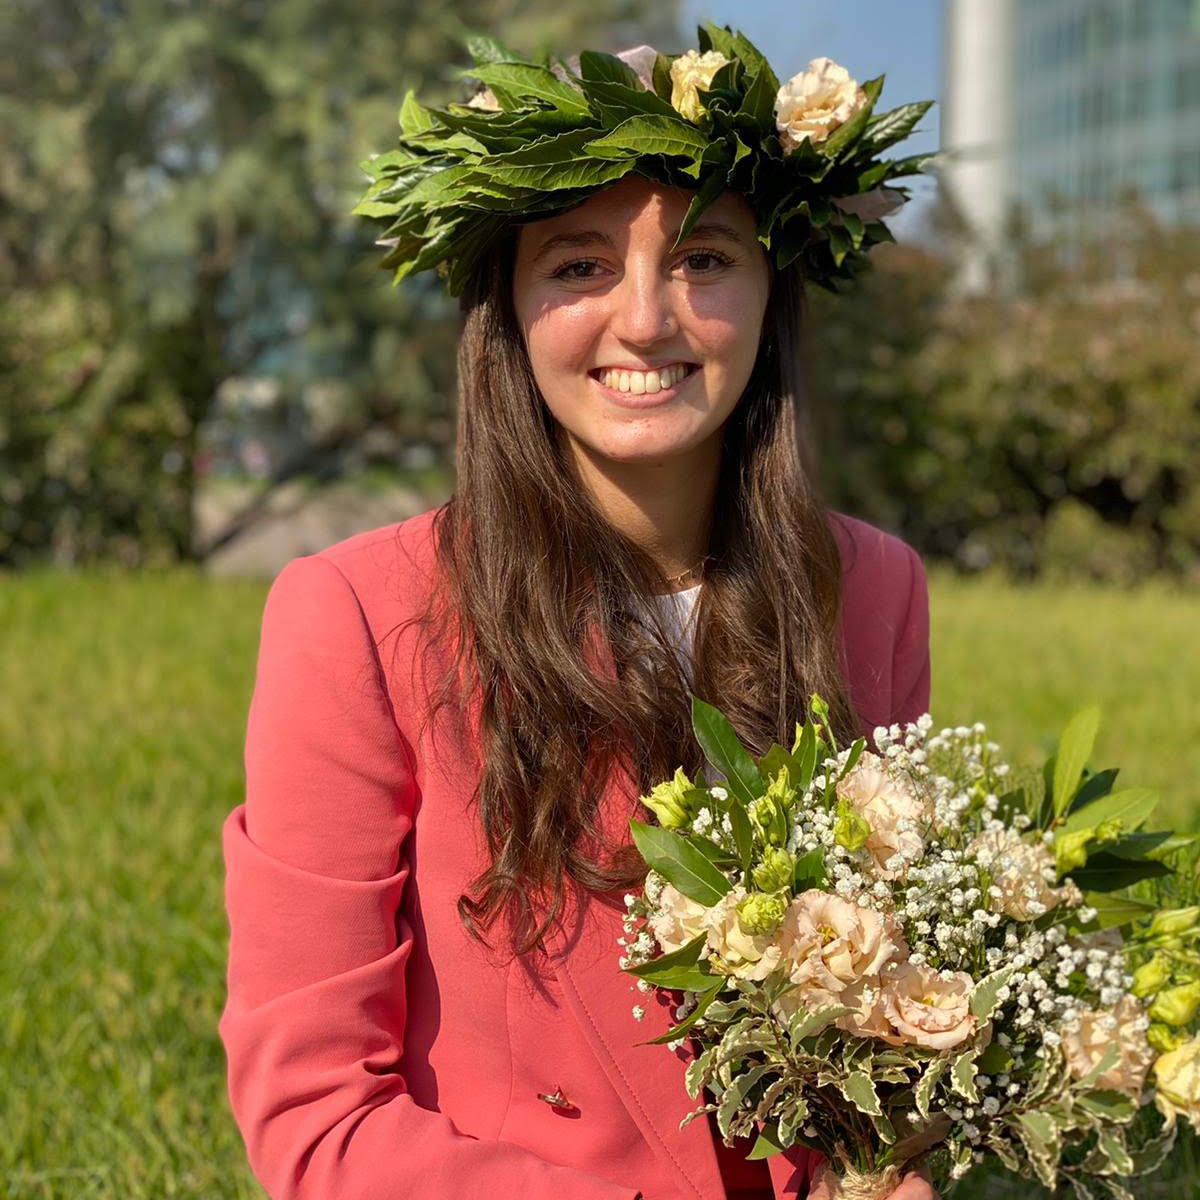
(871, 1185)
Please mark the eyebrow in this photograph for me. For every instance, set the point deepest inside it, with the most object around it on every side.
(590, 237)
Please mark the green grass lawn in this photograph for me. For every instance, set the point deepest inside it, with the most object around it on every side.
(122, 711)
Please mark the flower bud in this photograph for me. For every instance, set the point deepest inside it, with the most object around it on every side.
(666, 800)
(1151, 977)
(1176, 1005)
(1174, 921)
(776, 871)
(1164, 1038)
(760, 913)
(850, 830)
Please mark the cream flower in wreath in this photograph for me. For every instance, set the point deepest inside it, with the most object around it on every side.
(485, 98)
(691, 71)
(812, 104)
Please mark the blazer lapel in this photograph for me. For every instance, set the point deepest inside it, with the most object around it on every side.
(649, 1079)
(584, 956)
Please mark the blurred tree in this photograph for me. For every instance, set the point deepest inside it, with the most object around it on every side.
(1055, 429)
(175, 184)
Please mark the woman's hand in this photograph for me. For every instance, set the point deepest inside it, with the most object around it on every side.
(916, 1185)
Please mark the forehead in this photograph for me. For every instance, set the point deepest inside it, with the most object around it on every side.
(647, 206)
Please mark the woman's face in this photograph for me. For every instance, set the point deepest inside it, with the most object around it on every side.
(598, 291)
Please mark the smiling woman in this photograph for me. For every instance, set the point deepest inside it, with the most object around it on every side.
(456, 716)
(600, 341)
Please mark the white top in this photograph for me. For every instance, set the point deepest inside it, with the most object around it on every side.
(678, 609)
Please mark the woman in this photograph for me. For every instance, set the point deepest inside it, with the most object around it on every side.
(454, 717)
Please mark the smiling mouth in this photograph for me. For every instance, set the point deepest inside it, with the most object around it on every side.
(639, 383)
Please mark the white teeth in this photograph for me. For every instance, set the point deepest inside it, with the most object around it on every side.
(643, 381)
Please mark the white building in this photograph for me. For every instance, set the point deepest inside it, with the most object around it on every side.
(1062, 107)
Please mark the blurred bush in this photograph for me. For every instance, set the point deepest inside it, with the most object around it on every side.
(1055, 429)
(175, 189)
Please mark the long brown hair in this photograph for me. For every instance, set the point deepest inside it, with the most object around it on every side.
(527, 565)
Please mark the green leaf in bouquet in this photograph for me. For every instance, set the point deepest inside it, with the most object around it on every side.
(985, 994)
(994, 1060)
(1107, 873)
(1012, 803)
(1002, 1148)
(724, 750)
(1094, 786)
(827, 1039)
(698, 1071)
(1112, 1145)
(737, 1092)
(771, 1094)
(1074, 749)
(1115, 911)
(791, 1121)
(1040, 1137)
(1108, 1104)
(1128, 809)
(767, 1143)
(1159, 845)
(778, 759)
(1152, 1154)
(805, 1024)
(852, 758)
(810, 870)
(678, 968)
(717, 855)
(679, 863)
(677, 1031)
(743, 833)
(858, 1088)
(924, 1090)
(962, 1075)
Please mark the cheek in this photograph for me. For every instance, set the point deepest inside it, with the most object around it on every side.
(726, 326)
(561, 338)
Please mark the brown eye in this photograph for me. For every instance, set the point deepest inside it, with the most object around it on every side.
(565, 271)
(715, 255)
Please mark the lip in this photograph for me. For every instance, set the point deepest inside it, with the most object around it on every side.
(644, 399)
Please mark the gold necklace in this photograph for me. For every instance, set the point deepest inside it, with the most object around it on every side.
(674, 579)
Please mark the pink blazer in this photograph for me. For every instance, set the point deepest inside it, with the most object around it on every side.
(375, 1051)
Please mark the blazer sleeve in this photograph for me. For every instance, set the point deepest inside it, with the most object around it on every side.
(313, 1024)
(911, 668)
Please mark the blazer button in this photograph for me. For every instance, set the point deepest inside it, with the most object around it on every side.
(555, 1098)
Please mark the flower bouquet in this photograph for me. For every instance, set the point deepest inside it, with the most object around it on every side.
(888, 956)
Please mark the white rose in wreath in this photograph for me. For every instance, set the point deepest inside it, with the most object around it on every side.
(691, 71)
(811, 105)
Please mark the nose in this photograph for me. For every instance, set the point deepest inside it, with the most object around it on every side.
(644, 303)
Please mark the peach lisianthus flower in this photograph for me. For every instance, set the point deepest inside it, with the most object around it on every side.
(812, 104)
(1122, 1027)
(1021, 872)
(927, 1007)
(1177, 1079)
(829, 944)
(677, 919)
(691, 71)
(894, 809)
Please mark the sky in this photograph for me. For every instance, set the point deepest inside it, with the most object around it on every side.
(868, 37)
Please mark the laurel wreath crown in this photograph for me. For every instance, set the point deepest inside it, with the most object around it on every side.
(542, 135)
